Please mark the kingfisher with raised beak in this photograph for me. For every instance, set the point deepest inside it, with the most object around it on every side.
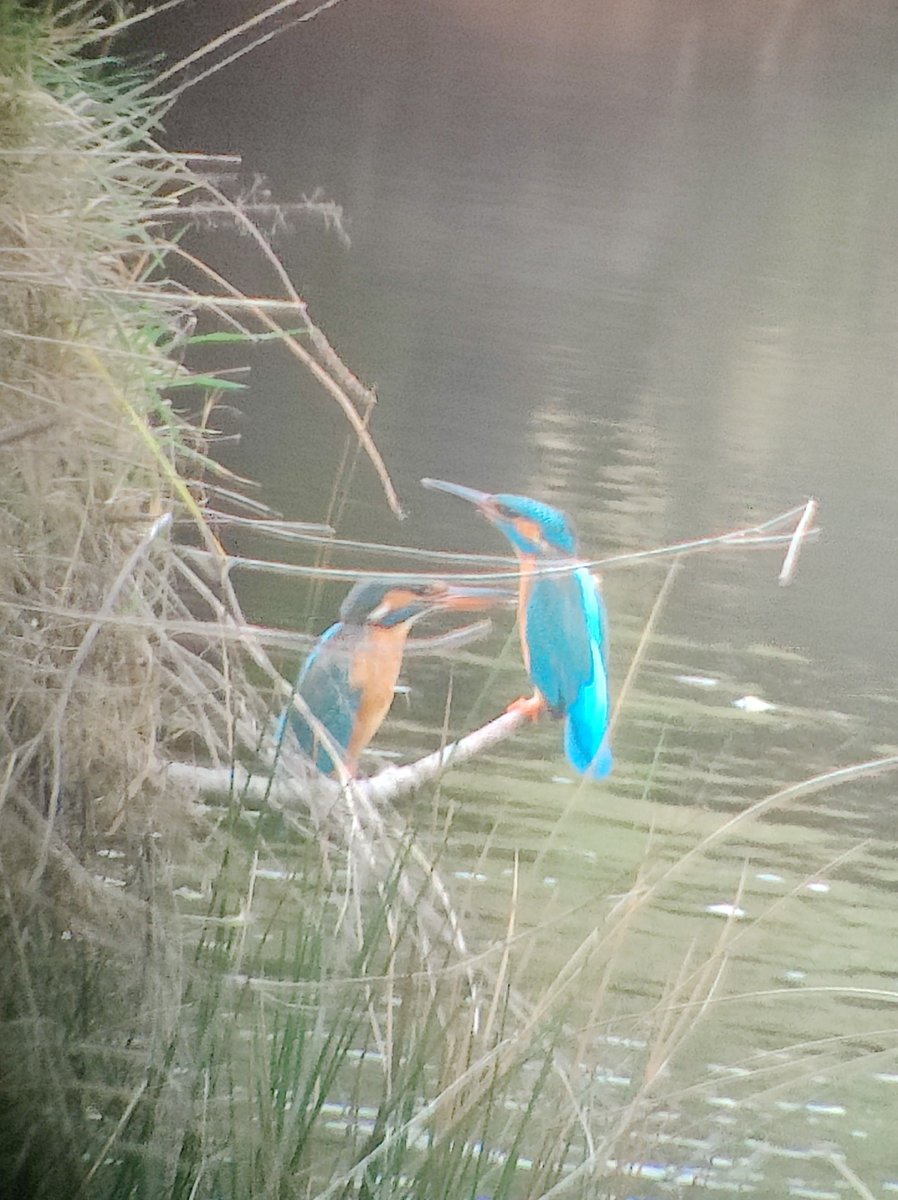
(561, 619)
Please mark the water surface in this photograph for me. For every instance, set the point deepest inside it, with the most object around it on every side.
(639, 260)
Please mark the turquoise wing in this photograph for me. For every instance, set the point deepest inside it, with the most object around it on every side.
(558, 640)
(586, 741)
(324, 685)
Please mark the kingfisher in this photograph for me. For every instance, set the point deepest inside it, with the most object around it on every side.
(561, 620)
(349, 678)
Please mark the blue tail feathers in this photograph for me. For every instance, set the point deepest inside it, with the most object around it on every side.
(586, 741)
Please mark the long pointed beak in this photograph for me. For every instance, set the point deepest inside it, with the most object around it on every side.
(452, 599)
(481, 499)
(475, 599)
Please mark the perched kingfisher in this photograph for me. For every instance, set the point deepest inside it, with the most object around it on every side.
(350, 676)
(562, 623)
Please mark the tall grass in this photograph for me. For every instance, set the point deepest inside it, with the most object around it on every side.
(140, 1051)
(98, 468)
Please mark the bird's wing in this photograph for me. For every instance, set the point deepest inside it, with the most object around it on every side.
(324, 685)
(558, 637)
(597, 617)
(586, 740)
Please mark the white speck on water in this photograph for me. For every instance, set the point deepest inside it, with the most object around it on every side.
(614, 1039)
(699, 681)
(728, 1069)
(188, 893)
(726, 910)
(817, 886)
(753, 704)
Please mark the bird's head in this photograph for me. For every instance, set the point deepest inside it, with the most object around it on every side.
(388, 603)
(533, 528)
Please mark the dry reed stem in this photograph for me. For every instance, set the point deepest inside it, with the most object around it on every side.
(95, 688)
(754, 537)
(790, 562)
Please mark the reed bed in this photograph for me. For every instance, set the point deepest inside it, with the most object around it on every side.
(126, 1063)
(179, 1017)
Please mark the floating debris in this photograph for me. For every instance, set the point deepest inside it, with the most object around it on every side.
(699, 681)
(753, 704)
(188, 893)
(726, 910)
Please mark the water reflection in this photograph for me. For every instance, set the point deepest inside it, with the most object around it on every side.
(639, 260)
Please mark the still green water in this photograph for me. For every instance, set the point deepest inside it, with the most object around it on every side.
(637, 259)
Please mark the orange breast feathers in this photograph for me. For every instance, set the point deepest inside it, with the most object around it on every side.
(527, 563)
(375, 669)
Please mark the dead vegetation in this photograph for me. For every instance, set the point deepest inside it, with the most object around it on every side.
(156, 1046)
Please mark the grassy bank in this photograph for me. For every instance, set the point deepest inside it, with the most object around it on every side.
(160, 1038)
(201, 999)
(98, 470)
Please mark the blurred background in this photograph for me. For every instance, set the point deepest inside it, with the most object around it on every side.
(637, 259)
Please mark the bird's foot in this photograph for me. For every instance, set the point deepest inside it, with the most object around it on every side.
(530, 707)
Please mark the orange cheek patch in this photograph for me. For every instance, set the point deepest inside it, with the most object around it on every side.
(529, 530)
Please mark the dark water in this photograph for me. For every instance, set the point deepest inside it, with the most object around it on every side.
(637, 259)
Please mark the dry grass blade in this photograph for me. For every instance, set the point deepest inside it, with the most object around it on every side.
(99, 684)
(801, 532)
(190, 992)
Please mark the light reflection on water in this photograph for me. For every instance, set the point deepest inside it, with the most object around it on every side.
(638, 260)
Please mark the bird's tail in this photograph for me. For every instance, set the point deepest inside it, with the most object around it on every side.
(586, 741)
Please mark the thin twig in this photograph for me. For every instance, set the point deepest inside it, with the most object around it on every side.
(801, 532)
(753, 537)
(228, 36)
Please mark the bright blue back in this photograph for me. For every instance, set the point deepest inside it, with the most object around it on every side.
(567, 643)
(558, 639)
(323, 683)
